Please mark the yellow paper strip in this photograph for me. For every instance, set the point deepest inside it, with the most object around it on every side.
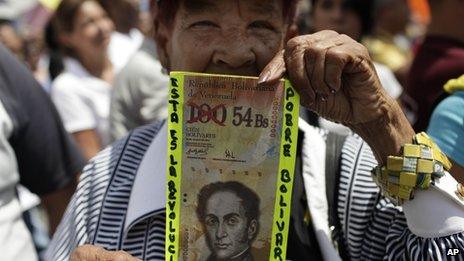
(50, 4)
(174, 168)
(286, 172)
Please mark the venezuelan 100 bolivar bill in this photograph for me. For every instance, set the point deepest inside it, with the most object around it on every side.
(230, 165)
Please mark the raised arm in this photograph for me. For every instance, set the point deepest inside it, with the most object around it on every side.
(336, 78)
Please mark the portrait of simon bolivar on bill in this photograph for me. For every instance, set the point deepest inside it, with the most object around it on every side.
(229, 215)
(229, 167)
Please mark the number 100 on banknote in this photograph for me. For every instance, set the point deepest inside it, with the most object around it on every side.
(231, 158)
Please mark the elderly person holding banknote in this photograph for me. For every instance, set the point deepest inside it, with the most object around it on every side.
(115, 213)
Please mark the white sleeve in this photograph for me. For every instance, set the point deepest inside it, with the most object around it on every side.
(76, 114)
(436, 212)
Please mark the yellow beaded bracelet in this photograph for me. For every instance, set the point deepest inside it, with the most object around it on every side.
(420, 164)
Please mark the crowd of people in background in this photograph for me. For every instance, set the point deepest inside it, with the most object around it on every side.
(98, 63)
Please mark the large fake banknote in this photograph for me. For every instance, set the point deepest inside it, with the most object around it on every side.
(231, 156)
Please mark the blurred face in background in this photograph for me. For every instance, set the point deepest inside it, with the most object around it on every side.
(223, 36)
(334, 15)
(11, 40)
(394, 16)
(34, 45)
(91, 31)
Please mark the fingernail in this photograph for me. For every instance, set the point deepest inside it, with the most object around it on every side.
(264, 78)
(323, 98)
(332, 91)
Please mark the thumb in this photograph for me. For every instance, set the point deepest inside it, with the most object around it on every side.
(274, 70)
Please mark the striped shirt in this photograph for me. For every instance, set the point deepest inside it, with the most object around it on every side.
(100, 213)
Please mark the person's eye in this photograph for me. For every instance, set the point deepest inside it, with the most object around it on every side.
(261, 25)
(204, 24)
(232, 221)
(84, 23)
(210, 221)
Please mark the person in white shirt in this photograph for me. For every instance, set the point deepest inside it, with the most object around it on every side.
(82, 91)
(127, 38)
(140, 93)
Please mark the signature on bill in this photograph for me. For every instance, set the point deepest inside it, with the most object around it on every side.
(229, 154)
(197, 152)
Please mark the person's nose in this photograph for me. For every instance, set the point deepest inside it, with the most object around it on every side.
(105, 26)
(234, 52)
(221, 231)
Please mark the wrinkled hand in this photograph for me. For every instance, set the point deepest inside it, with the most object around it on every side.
(334, 76)
(95, 253)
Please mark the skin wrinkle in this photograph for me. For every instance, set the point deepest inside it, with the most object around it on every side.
(361, 65)
(231, 35)
(205, 7)
(240, 39)
(265, 7)
(358, 65)
(239, 9)
(309, 58)
(332, 82)
(318, 70)
(200, 6)
(294, 54)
